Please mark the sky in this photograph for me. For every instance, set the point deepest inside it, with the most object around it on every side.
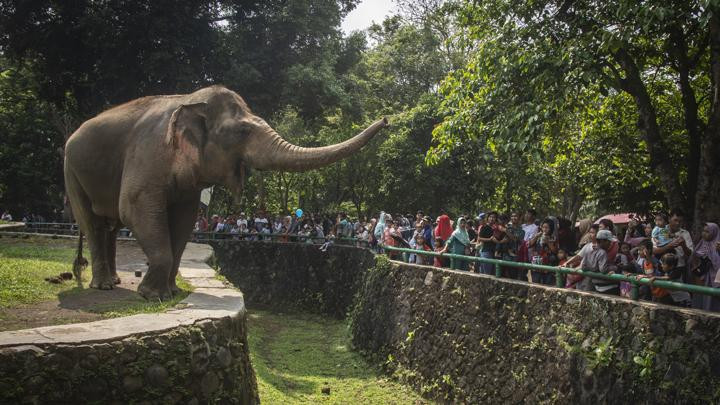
(365, 13)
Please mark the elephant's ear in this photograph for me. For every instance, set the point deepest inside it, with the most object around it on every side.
(186, 136)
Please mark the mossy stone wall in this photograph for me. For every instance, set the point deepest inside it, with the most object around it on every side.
(294, 276)
(206, 362)
(477, 339)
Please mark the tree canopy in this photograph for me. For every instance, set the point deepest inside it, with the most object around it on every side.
(573, 107)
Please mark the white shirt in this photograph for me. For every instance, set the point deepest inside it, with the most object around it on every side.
(530, 230)
(242, 222)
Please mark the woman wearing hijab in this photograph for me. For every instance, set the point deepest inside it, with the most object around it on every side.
(457, 243)
(443, 230)
(379, 231)
(584, 232)
(706, 262)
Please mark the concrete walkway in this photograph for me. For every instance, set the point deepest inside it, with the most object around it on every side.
(210, 299)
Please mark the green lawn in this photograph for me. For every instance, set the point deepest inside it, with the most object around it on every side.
(296, 356)
(25, 263)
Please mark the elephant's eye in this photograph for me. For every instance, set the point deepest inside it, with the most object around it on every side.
(243, 128)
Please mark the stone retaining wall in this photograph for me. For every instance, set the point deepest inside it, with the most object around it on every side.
(470, 338)
(196, 353)
(477, 339)
(295, 276)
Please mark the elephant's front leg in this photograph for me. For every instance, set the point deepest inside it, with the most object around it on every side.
(181, 217)
(150, 225)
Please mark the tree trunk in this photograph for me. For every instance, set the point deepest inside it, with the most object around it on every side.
(683, 65)
(647, 123)
(707, 198)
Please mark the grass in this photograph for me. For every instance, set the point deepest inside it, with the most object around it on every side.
(296, 356)
(25, 263)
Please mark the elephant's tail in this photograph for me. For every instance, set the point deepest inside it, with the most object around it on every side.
(80, 262)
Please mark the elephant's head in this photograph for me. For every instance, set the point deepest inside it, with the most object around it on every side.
(216, 136)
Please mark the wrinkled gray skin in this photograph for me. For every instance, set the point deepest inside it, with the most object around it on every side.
(143, 164)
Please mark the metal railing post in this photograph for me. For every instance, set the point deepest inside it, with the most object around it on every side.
(498, 270)
(634, 291)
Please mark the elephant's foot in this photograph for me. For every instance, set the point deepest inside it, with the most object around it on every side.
(174, 289)
(152, 292)
(102, 282)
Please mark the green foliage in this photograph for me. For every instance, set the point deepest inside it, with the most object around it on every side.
(584, 96)
(600, 355)
(31, 147)
(645, 363)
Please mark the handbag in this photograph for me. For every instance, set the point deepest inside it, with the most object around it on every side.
(703, 266)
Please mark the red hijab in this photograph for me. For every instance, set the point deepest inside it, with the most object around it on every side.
(443, 230)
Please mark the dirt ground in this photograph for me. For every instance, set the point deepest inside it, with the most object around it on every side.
(76, 307)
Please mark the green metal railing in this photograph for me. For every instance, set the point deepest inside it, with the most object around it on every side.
(560, 273)
(290, 237)
(60, 228)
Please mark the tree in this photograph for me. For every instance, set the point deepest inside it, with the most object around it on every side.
(31, 149)
(534, 59)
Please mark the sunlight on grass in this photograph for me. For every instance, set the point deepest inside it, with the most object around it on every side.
(296, 356)
(25, 263)
(24, 267)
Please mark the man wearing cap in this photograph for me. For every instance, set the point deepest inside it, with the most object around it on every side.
(593, 257)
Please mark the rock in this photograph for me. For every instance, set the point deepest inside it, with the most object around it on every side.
(200, 358)
(570, 300)
(690, 324)
(675, 372)
(132, 383)
(94, 388)
(224, 357)
(157, 376)
(325, 390)
(172, 398)
(657, 329)
(90, 362)
(209, 384)
(429, 278)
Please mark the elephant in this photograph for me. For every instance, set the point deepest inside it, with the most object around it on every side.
(143, 165)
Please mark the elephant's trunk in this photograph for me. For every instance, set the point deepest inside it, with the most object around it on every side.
(269, 151)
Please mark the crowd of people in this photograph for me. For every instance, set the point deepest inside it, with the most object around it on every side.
(657, 249)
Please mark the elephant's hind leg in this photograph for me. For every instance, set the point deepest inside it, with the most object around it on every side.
(95, 227)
